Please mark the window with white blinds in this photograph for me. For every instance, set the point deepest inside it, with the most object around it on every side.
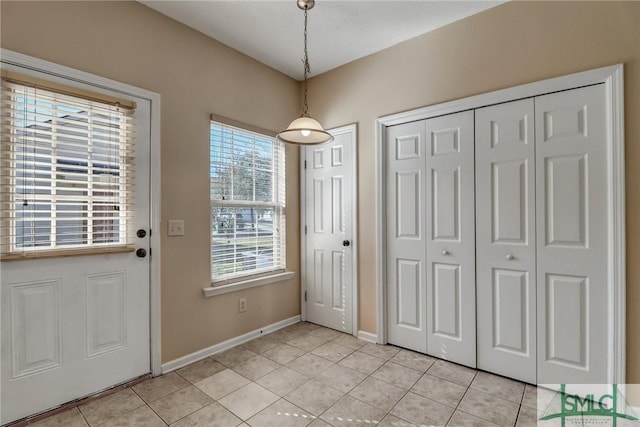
(67, 179)
(247, 182)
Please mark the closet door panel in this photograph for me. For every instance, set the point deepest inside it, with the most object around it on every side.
(505, 233)
(572, 237)
(450, 238)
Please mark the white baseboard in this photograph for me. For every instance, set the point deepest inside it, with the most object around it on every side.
(225, 345)
(368, 336)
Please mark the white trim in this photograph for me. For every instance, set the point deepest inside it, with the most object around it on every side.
(368, 336)
(35, 65)
(353, 130)
(225, 345)
(612, 77)
(249, 283)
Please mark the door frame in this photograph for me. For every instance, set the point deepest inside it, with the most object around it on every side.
(34, 66)
(612, 77)
(347, 129)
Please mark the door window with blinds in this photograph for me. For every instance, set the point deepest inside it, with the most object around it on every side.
(67, 179)
(247, 183)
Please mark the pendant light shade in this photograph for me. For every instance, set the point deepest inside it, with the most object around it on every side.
(305, 130)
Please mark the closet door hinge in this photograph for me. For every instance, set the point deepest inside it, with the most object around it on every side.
(305, 164)
(305, 296)
(305, 229)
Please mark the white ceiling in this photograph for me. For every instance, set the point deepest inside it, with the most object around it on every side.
(339, 31)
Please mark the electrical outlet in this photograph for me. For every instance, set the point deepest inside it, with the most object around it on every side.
(176, 227)
(242, 305)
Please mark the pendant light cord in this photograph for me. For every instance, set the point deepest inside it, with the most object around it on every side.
(307, 68)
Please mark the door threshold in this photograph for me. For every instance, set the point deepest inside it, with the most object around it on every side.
(77, 402)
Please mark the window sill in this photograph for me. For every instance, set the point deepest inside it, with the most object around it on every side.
(246, 284)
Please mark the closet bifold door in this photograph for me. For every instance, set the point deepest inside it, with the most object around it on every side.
(506, 239)
(572, 236)
(406, 248)
(450, 238)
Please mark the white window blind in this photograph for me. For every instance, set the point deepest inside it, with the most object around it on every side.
(247, 182)
(67, 178)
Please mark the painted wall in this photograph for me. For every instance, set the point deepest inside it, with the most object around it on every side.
(196, 76)
(512, 44)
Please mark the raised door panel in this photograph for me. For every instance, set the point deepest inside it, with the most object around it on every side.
(572, 237)
(105, 313)
(505, 215)
(450, 238)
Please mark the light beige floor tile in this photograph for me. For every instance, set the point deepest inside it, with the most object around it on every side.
(209, 416)
(70, 418)
(527, 417)
(378, 394)
(325, 333)
(349, 411)
(307, 342)
(222, 383)
(393, 421)
(319, 423)
(385, 352)
(439, 390)
(413, 360)
(283, 353)
(490, 408)
(398, 375)
(349, 341)
(284, 335)
(422, 411)
(248, 400)
(498, 386)
(309, 364)
(332, 351)
(452, 372)
(362, 362)
(262, 344)
(530, 397)
(462, 419)
(234, 356)
(200, 370)
(158, 387)
(143, 416)
(180, 404)
(314, 397)
(281, 414)
(110, 406)
(256, 367)
(307, 327)
(341, 378)
(282, 380)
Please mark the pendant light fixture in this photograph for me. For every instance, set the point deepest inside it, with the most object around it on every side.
(305, 130)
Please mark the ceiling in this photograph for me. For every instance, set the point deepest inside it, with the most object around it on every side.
(339, 31)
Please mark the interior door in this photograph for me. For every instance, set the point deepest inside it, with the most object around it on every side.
(572, 237)
(329, 204)
(75, 325)
(406, 236)
(450, 238)
(505, 239)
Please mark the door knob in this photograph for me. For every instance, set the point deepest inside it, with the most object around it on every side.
(141, 233)
(346, 243)
(509, 257)
(445, 252)
(141, 253)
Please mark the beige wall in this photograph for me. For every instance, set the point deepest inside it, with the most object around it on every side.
(509, 45)
(195, 76)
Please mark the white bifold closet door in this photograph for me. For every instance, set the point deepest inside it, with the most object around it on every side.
(506, 239)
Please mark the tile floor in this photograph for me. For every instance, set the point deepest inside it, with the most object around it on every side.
(306, 375)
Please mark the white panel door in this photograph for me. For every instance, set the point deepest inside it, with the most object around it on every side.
(450, 238)
(77, 325)
(572, 237)
(406, 243)
(329, 262)
(505, 239)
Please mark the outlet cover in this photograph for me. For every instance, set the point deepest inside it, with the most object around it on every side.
(176, 227)
(242, 305)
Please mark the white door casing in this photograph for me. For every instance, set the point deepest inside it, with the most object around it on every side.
(505, 239)
(572, 237)
(406, 236)
(450, 238)
(329, 256)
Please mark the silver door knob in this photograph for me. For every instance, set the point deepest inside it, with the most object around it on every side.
(445, 252)
(509, 257)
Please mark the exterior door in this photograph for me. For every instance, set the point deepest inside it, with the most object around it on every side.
(450, 238)
(406, 236)
(329, 255)
(505, 239)
(77, 324)
(572, 239)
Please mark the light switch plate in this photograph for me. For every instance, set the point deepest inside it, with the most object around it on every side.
(176, 227)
